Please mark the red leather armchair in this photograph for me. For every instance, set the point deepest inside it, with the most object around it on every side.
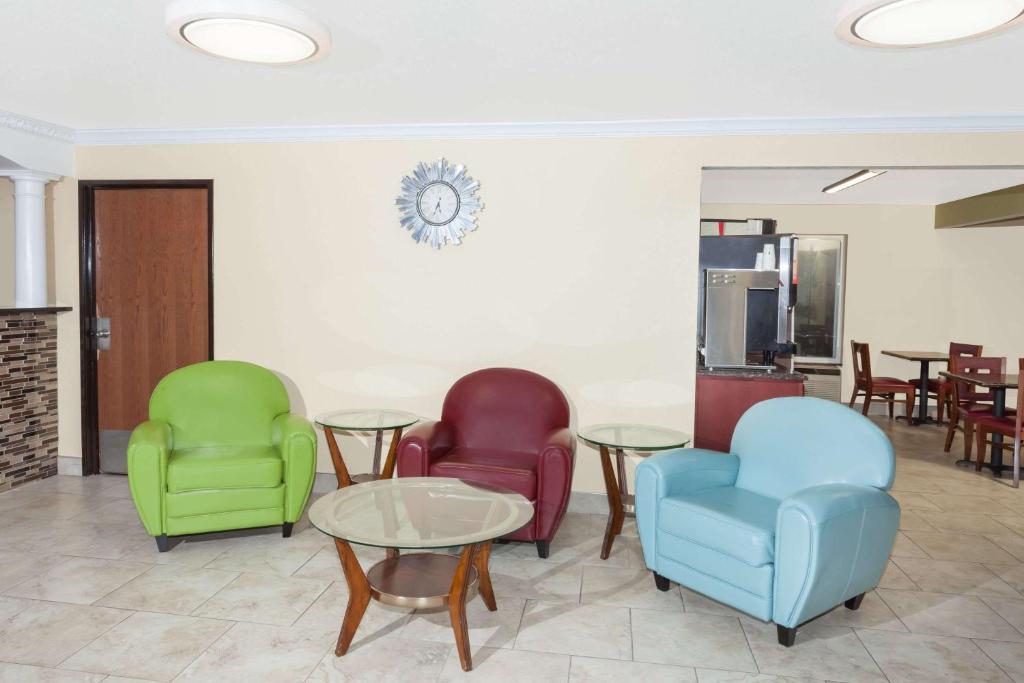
(504, 427)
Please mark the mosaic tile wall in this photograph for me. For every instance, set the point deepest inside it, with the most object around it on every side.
(28, 397)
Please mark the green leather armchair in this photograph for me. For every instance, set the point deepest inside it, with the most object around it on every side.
(220, 451)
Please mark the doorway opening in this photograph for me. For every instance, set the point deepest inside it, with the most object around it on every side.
(146, 301)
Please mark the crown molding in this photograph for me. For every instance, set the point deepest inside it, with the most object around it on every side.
(574, 129)
(568, 129)
(27, 124)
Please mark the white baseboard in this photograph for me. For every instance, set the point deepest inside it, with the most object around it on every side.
(69, 466)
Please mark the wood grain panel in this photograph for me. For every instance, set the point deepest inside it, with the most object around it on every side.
(152, 281)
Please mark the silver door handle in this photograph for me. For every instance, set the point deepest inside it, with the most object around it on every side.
(102, 334)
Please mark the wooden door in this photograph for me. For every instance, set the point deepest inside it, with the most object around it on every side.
(152, 280)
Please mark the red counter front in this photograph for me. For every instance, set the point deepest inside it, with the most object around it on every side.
(723, 398)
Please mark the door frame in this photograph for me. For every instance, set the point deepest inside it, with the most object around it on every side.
(87, 295)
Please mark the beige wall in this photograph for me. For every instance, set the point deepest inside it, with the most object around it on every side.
(6, 242)
(910, 286)
(584, 267)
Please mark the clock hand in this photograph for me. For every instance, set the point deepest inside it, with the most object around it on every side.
(438, 206)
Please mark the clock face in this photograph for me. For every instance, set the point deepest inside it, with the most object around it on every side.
(438, 203)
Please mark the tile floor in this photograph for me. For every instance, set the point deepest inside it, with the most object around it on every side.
(84, 596)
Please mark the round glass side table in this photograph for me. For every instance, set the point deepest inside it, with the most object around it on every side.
(366, 420)
(643, 439)
(419, 513)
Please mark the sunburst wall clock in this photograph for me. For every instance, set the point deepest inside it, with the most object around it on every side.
(438, 203)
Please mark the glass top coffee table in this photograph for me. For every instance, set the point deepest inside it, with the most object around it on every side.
(623, 436)
(419, 513)
(365, 420)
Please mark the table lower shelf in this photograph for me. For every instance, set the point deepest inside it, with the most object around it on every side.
(418, 580)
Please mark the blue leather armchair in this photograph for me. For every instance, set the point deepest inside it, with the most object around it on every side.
(795, 520)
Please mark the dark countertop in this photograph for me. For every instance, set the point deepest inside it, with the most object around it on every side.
(754, 374)
(7, 310)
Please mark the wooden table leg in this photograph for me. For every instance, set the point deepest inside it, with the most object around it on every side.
(340, 471)
(616, 515)
(389, 462)
(358, 596)
(483, 573)
(457, 604)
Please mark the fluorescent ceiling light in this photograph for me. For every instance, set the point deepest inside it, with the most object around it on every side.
(917, 23)
(261, 31)
(856, 179)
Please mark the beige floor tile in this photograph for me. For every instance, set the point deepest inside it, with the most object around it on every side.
(573, 629)
(15, 567)
(984, 504)
(1012, 610)
(12, 606)
(1009, 656)
(496, 629)
(701, 604)
(904, 547)
(85, 538)
(46, 505)
(99, 485)
(258, 652)
(389, 659)
(914, 501)
(379, 621)
(917, 658)
(1010, 542)
(943, 614)
(961, 522)
(916, 484)
(592, 670)
(872, 613)
(627, 587)
(186, 553)
(686, 639)
(948, 576)
(533, 580)
(263, 599)
(170, 589)
(270, 556)
(1014, 523)
(950, 546)
(118, 511)
(324, 565)
(46, 633)
(912, 520)
(150, 646)
(714, 676)
(1012, 574)
(24, 673)
(894, 577)
(79, 580)
(507, 666)
(822, 652)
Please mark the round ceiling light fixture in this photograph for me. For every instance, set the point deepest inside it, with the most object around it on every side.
(922, 23)
(260, 31)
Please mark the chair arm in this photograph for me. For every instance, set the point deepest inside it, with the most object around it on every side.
(295, 440)
(423, 444)
(831, 544)
(671, 473)
(149, 449)
(554, 481)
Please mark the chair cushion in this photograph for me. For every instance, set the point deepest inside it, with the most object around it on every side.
(512, 470)
(224, 467)
(729, 520)
(934, 384)
(890, 384)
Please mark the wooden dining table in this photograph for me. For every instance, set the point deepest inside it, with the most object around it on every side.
(997, 384)
(925, 358)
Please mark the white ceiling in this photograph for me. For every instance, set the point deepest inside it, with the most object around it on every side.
(109, 64)
(916, 186)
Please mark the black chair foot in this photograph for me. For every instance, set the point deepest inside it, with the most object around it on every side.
(787, 636)
(661, 582)
(286, 529)
(543, 548)
(854, 602)
(163, 544)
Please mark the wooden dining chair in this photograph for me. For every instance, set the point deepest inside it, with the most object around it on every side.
(968, 403)
(885, 388)
(939, 388)
(1007, 426)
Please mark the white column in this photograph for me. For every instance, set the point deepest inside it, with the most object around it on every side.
(30, 237)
